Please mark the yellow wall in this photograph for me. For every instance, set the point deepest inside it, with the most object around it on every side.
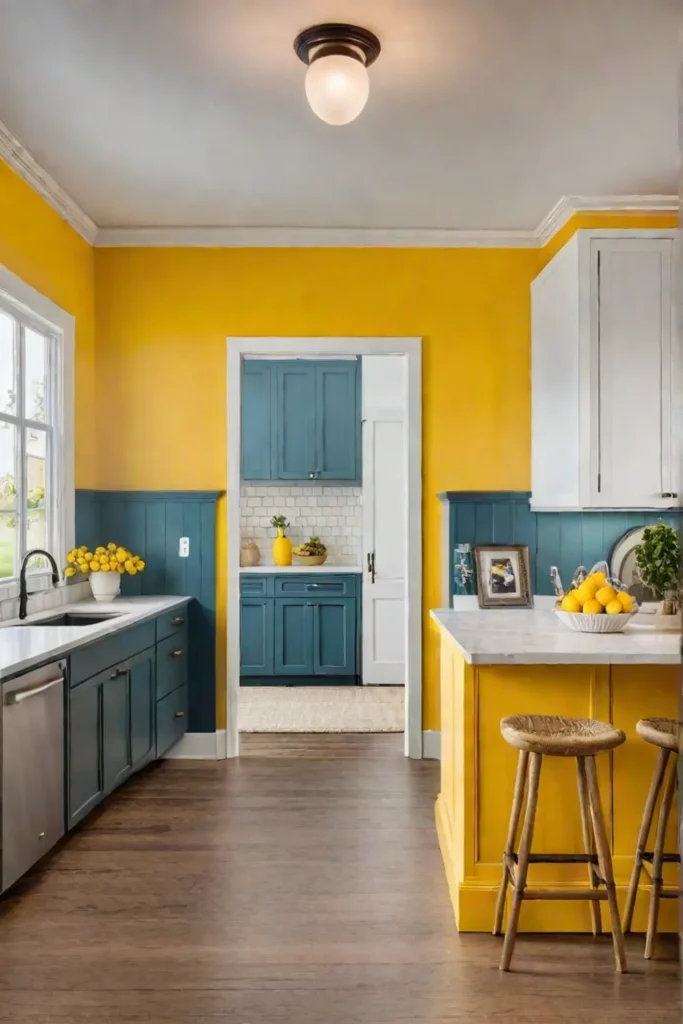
(42, 249)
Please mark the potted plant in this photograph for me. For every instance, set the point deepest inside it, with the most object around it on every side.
(282, 546)
(311, 552)
(658, 562)
(104, 568)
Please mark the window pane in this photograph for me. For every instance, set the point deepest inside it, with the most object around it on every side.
(8, 398)
(34, 367)
(8, 500)
(36, 452)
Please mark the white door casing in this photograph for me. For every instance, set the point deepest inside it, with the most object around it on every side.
(384, 521)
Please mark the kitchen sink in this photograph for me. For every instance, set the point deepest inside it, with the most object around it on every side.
(70, 619)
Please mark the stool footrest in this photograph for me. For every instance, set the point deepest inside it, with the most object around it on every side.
(668, 858)
(564, 894)
(558, 858)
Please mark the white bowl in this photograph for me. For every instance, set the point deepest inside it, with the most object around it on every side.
(595, 623)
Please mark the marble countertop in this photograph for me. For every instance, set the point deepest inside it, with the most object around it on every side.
(261, 570)
(22, 648)
(521, 636)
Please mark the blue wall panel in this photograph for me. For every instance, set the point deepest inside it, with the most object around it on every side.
(150, 523)
(564, 539)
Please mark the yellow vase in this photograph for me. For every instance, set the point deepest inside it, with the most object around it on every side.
(282, 549)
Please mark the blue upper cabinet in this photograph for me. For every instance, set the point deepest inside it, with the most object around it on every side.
(301, 420)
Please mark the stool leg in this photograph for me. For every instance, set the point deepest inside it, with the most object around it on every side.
(522, 861)
(643, 836)
(588, 844)
(517, 801)
(657, 881)
(605, 862)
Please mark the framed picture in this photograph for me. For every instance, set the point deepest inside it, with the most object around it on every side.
(503, 576)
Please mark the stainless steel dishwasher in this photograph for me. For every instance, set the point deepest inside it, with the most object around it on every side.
(32, 768)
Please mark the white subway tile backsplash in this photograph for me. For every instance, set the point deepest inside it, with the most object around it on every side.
(332, 513)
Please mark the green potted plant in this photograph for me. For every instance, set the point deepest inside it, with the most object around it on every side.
(658, 563)
(311, 552)
(282, 546)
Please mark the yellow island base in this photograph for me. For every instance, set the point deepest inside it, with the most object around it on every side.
(478, 768)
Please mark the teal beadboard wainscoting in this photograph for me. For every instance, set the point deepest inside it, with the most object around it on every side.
(564, 539)
(150, 523)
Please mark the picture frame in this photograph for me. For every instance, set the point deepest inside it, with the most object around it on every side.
(503, 576)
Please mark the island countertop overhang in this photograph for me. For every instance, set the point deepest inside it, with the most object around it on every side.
(516, 636)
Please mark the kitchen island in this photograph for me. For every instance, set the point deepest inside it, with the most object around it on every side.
(518, 661)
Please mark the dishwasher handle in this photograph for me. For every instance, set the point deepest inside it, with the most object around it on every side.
(32, 691)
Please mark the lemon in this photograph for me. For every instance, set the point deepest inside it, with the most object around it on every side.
(587, 591)
(605, 595)
(625, 600)
(72, 572)
(599, 578)
(614, 608)
(570, 603)
(592, 607)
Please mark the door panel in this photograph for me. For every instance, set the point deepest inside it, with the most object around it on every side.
(293, 637)
(86, 786)
(256, 636)
(295, 422)
(337, 421)
(116, 728)
(334, 637)
(142, 701)
(257, 411)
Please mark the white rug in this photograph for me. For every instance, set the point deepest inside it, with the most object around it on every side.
(321, 709)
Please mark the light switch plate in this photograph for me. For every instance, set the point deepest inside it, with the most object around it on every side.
(184, 547)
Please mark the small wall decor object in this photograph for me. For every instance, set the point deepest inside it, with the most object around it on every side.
(311, 552)
(503, 576)
(249, 553)
(463, 570)
(103, 567)
(282, 546)
(658, 565)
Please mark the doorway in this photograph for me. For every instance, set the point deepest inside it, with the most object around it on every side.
(394, 412)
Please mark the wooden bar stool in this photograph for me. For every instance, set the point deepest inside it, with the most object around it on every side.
(536, 736)
(663, 733)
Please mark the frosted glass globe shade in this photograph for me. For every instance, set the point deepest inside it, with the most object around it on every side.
(337, 88)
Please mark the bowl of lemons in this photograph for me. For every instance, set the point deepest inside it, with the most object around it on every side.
(596, 604)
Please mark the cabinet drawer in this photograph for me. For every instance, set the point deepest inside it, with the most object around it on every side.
(90, 660)
(315, 586)
(171, 719)
(256, 586)
(171, 622)
(172, 663)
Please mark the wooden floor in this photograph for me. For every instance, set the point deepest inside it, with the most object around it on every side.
(300, 884)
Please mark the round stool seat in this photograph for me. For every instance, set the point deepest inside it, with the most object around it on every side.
(663, 732)
(558, 736)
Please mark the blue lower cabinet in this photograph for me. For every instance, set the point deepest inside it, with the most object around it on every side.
(256, 636)
(293, 637)
(172, 663)
(84, 750)
(171, 715)
(116, 745)
(142, 681)
(334, 637)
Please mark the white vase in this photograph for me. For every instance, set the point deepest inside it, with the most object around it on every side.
(105, 585)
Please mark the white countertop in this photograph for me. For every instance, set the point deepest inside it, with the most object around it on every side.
(262, 570)
(21, 648)
(521, 636)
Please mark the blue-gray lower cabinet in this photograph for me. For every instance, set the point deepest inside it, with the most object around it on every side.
(256, 636)
(116, 752)
(142, 678)
(293, 637)
(84, 750)
(334, 636)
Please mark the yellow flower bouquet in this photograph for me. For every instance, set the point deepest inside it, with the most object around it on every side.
(104, 567)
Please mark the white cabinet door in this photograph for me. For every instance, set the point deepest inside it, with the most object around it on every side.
(631, 373)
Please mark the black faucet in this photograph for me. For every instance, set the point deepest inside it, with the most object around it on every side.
(23, 593)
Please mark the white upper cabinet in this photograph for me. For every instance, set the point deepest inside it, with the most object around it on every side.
(603, 380)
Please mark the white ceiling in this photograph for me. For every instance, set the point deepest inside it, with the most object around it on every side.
(482, 113)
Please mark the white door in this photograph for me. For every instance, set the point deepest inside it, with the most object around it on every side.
(632, 372)
(384, 514)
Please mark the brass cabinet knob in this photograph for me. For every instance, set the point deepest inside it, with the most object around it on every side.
(177, 654)
(178, 621)
(41, 835)
(180, 714)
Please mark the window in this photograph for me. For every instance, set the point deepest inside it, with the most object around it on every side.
(31, 449)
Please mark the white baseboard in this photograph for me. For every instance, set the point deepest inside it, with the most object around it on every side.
(431, 745)
(199, 746)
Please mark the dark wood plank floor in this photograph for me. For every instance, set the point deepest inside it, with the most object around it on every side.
(300, 884)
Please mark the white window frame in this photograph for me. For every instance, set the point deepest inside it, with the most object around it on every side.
(35, 310)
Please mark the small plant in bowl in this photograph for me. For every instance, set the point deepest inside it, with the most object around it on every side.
(311, 552)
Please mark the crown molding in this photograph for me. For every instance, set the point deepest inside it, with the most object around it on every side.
(313, 238)
(568, 206)
(21, 161)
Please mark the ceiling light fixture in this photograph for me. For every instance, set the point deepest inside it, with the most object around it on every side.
(338, 57)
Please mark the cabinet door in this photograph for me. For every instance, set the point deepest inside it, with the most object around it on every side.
(334, 637)
(116, 753)
(85, 783)
(632, 372)
(295, 421)
(256, 636)
(257, 424)
(293, 637)
(337, 421)
(142, 701)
